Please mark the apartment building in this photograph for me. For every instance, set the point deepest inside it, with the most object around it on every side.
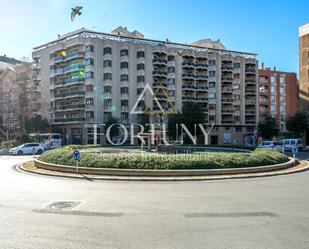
(278, 95)
(86, 77)
(17, 97)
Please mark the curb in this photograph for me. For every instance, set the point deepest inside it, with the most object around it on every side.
(160, 173)
(303, 166)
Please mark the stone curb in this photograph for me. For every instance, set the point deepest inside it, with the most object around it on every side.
(160, 173)
(304, 165)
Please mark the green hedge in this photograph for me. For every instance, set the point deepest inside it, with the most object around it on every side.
(146, 160)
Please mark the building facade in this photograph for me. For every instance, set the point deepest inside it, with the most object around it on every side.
(278, 95)
(18, 97)
(87, 77)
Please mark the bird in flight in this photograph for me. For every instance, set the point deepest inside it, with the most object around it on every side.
(75, 11)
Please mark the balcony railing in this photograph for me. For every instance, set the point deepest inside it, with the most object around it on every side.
(68, 120)
(68, 81)
(66, 107)
(159, 73)
(188, 76)
(69, 94)
(159, 61)
(226, 79)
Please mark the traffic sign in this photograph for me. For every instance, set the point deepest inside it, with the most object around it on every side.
(76, 155)
(295, 150)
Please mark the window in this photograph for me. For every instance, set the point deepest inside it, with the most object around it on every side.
(236, 65)
(89, 75)
(107, 89)
(89, 88)
(211, 84)
(238, 129)
(89, 101)
(90, 114)
(171, 69)
(124, 52)
(170, 57)
(211, 118)
(282, 79)
(211, 62)
(89, 48)
(211, 95)
(170, 81)
(273, 79)
(124, 65)
(124, 77)
(107, 102)
(124, 90)
(140, 54)
(89, 61)
(140, 66)
(272, 89)
(212, 73)
(139, 91)
(107, 63)
(107, 50)
(140, 78)
(107, 76)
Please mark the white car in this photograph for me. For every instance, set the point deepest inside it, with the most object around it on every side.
(292, 142)
(28, 148)
(276, 146)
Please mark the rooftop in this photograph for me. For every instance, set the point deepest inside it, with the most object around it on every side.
(123, 35)
(303, 29)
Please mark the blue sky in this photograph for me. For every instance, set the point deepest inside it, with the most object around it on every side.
(268, 28)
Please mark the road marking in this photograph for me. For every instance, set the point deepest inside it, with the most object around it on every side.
(230, 215)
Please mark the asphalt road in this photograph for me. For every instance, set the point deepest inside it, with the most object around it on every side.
(271, 212)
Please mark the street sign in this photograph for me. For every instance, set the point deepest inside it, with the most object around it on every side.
(76, 155)
(295, 150)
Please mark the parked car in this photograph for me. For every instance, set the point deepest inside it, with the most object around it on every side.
(277, 146)
(27, 149)
(289, 143)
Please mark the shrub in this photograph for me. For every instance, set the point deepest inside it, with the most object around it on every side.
(146, 160)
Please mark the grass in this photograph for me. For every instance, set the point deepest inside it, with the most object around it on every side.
(146, 160)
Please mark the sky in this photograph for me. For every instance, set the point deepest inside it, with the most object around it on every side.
(268, 28)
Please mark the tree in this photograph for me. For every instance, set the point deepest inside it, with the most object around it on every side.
(297, 124)
(267, 128)
(173, 120)
(192, 114)
(114, 131)
(36, 124)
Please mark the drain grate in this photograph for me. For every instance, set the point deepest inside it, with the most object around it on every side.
(63, 205)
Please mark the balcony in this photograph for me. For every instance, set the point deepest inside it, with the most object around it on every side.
(250, 102)
(188, 87)
(250, 112)
(227, 111)
(227, 79)
(227, 90)
(201, 76)
(201, 66)
(188, 98)
(250, 70)
(188, 65)
(264, 92)
(69, 82)
(202, 88)
(263, 101)
(124, 96)
(227, 69)
(202, 98)
(73, 94)
(159, 61)
(68, 120)
(226, 101)
(158, 73)
(236, 102)
(69, 107)
(188, 76)
(250, 92)
(250, 82)
(159, 85)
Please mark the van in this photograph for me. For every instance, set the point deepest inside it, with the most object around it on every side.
(289, 143)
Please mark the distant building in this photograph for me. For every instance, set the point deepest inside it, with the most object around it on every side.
(304, 72)
(278, 95)
(86, 77)
(17, 97)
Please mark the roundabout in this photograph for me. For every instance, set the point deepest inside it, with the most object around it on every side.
(131, 164)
